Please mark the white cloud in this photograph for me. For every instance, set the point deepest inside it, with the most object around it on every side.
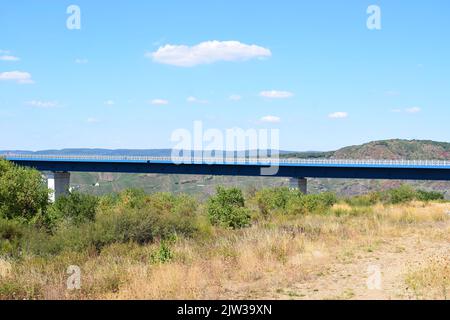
(235, 97)
(275, 94)
(271, 119)
(196, 100)
(413, 110)
(42, 104)
(159, 102)
(81, 61)
(338, 115)
(17, 76)
(9, 58)
(206, 53)
(110, 102)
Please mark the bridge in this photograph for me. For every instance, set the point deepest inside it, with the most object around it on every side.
(298, 170)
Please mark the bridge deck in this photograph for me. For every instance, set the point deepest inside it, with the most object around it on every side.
(235, 161)
(311, 168)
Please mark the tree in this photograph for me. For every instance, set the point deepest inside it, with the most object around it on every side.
(227, 208)
(76, 207)
(23, 193)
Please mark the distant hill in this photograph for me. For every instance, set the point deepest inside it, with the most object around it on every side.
(118, 152)
(98, 152)
(396, 149)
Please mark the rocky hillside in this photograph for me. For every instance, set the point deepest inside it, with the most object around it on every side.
(396, 149)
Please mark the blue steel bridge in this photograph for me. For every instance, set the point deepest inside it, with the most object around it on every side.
(60, 166)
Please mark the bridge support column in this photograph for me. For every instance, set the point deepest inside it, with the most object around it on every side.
(59, 183)
(300, 184)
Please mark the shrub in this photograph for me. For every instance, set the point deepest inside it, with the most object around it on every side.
(11, 232)
(163, 217)
(23, 193)
(328, 199)
(429, 195)
(76, 207)
(227, 208)
(406, 193)
(273, 199)
(182, 205)
(311, 203)
(17, 238)
(287, 201)
(402, 194)
(296, 206)
(140, 226)
(365, 200)
(132, 198)
(163, 255)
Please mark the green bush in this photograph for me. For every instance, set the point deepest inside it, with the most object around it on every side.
(402, 194)
(155, 218)
(328, 199)
(75, 207)
(11, 233)
(287, 201)
(227, 209)
(140, 226)
(365, 200)
(269, 200)
(132, 198)
(18, 238)
(163, 255)
(162, 217)
(23, 193)
(311, 203)
(423, 195)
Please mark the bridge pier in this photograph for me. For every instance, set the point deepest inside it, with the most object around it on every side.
(59, 183)
(300, 184)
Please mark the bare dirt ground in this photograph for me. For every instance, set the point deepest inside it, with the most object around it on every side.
(348, 280)
(342, 274)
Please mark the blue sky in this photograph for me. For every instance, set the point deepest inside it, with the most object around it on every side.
(310, 68)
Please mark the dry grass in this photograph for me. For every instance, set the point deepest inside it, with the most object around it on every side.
(5, 268)
(431, 279)
(258, 262)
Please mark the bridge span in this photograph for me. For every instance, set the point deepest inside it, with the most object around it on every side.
(298, 170)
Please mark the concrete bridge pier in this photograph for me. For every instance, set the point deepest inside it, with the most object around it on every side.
(59, 183)
(300, 184)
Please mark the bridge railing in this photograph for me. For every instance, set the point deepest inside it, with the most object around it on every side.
(232, 160)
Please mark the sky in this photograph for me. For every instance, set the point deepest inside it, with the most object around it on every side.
(131, 73)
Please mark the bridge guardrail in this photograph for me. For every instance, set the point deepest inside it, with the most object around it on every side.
(236, 160)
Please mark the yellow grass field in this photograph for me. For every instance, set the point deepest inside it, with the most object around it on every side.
(284, 257)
